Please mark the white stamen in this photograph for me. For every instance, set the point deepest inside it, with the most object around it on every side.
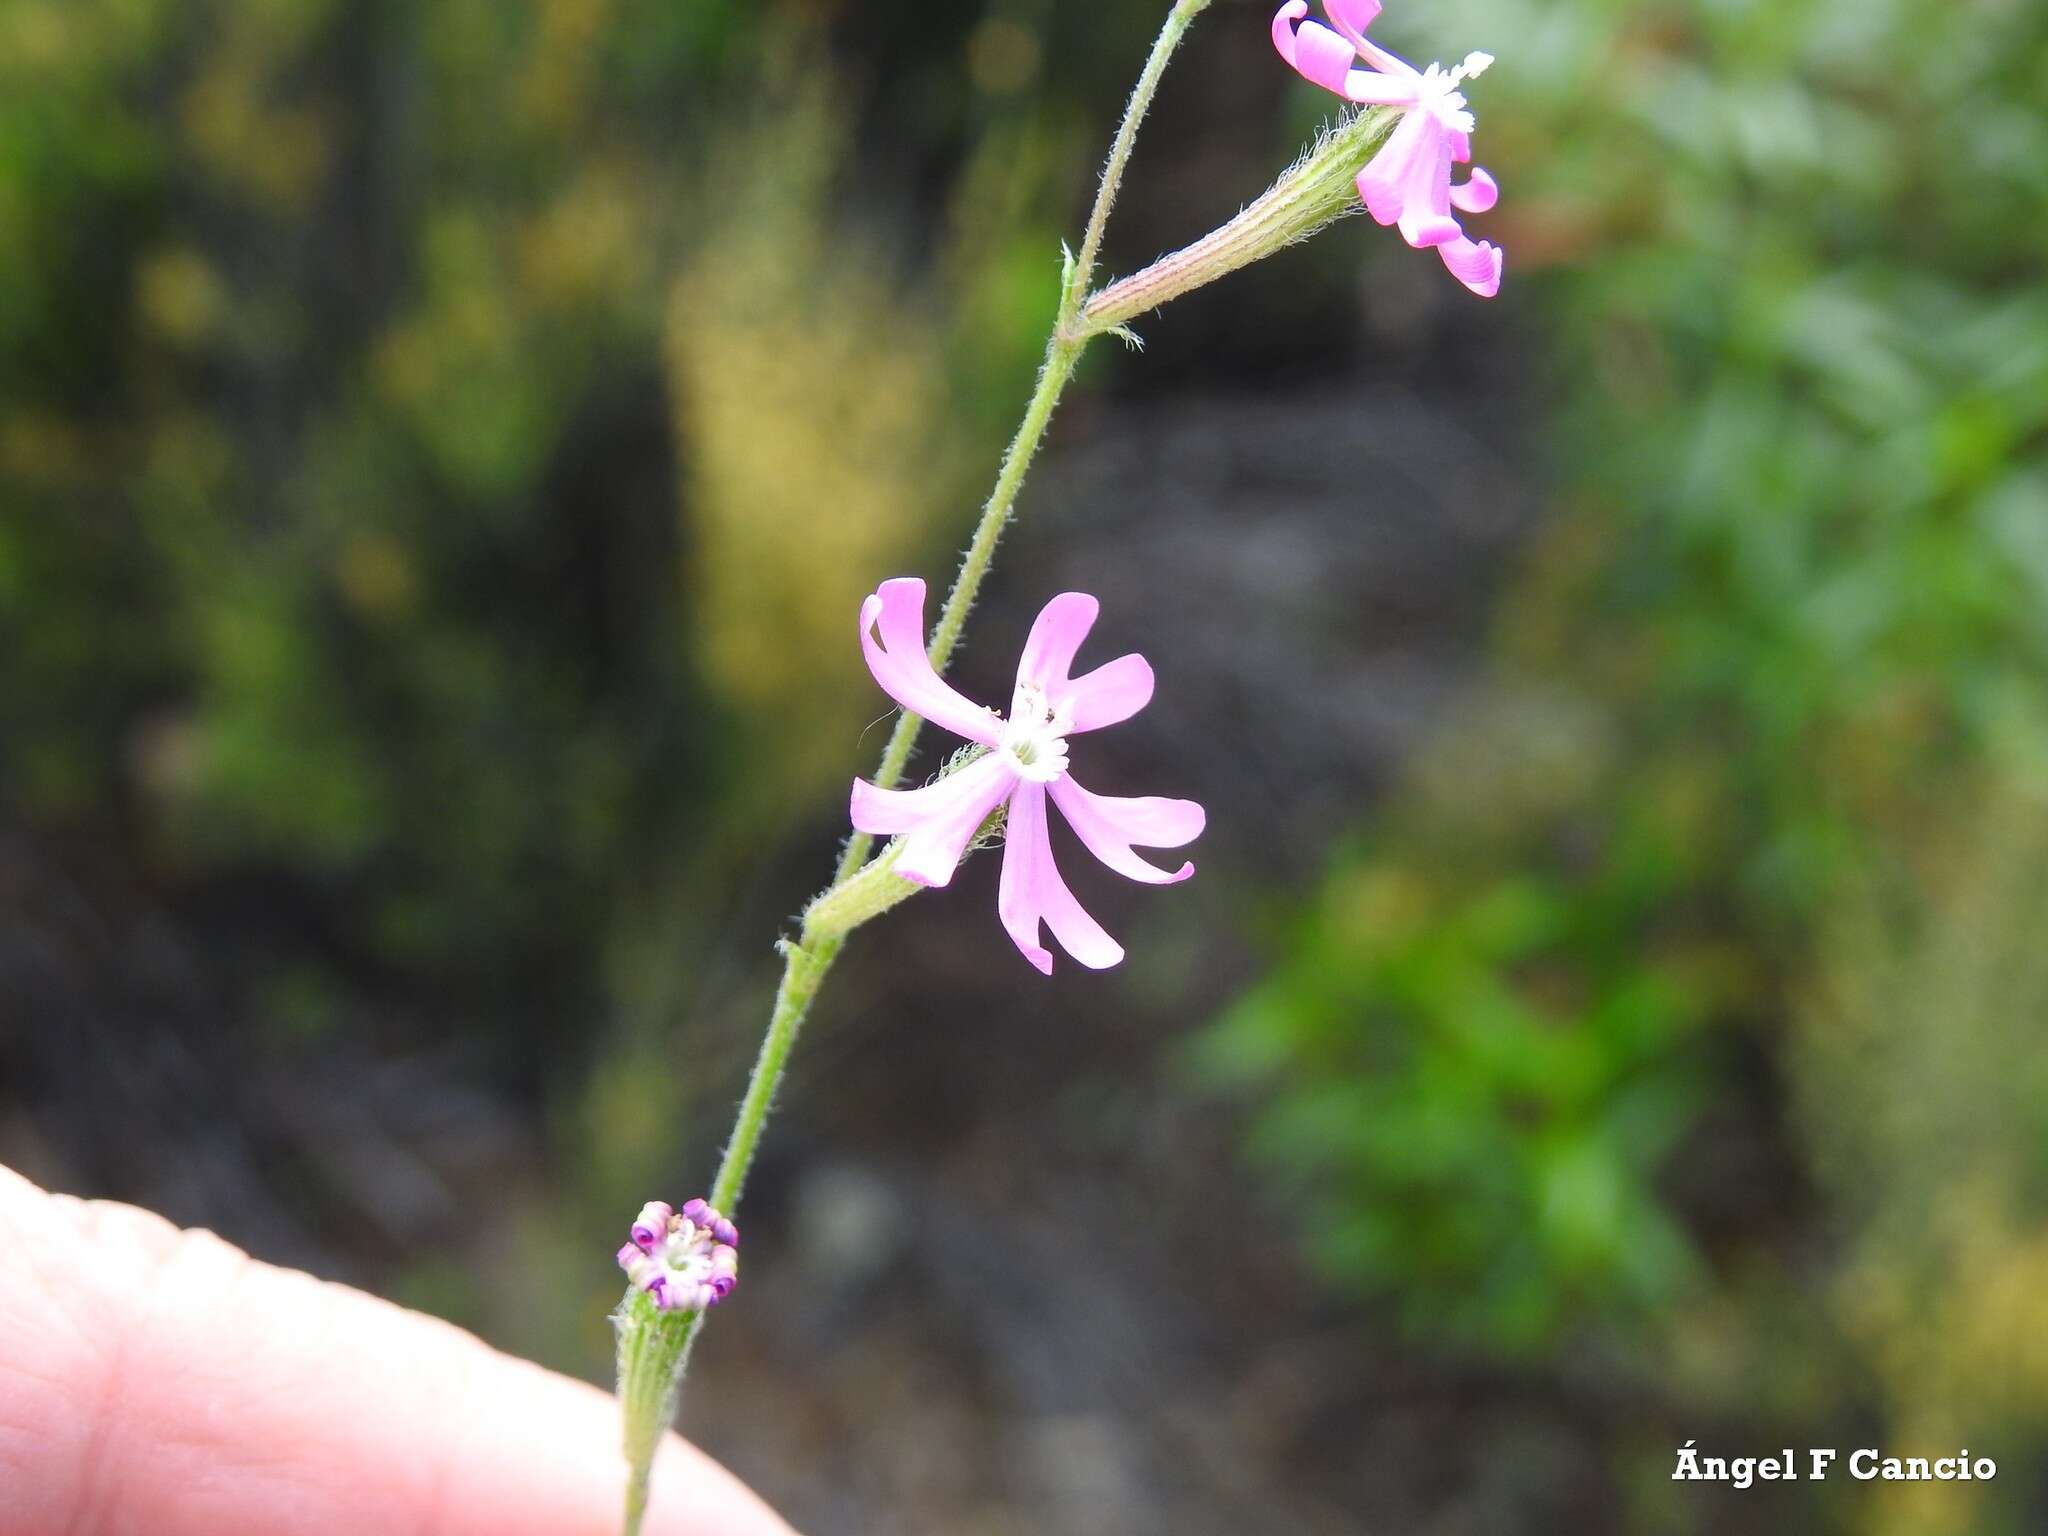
(1437, 93)
(1475, 65)
(1035, 739)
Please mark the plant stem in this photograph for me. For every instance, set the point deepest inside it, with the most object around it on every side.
(1062, 352)
(807, 959)
(802, 969)
(653, 1347)
(1169, 38)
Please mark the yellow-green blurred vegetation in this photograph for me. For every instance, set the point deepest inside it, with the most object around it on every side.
(443, 446)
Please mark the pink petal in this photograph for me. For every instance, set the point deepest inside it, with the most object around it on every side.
(937, 821)
(1055, 637)
(905, 672)
(1476, 195)
(1461, 146)
(1426, 198)
(1031, 891)
(1430, 229)
(1476, 265)
(1114, 691)
(1317, 54)
(1325, 58)
(1383, 184)
(1391, 64)
(889, 811)
(1375, 90)
(1352, 17)
(1109, 824)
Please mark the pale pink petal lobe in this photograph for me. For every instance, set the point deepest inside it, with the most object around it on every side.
(934, 842)
(1425, 199)
(1317, 54)
(1352, 17)
(1025, 850)
(1114, 691)
(1032, 891)
(899, 663)
(1108, 826)
(1383, 184)
(1055, 638)
(889, 811)
(1426, 230)
(1477, 195)
(1369, 89)
(1476, 264)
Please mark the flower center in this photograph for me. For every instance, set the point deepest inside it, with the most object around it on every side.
(1035, 737)
(1438, 92)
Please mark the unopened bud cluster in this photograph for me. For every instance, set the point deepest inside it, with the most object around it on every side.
(686, 1260)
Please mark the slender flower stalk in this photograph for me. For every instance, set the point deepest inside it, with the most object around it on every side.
(654, 1346)
(810, 956)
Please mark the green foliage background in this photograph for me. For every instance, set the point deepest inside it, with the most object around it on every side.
(1755, 784)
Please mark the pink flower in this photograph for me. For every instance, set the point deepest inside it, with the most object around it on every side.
(1409, 181)
(1026, 762)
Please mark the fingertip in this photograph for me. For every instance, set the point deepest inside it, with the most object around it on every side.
(275, 1401)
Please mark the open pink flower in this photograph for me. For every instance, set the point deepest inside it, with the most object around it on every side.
(1025, 763)
(1409, 181)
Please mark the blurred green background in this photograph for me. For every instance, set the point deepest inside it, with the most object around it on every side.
(443, 444)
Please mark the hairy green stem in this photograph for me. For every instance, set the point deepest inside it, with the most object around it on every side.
(653, 1346)
(1319, 189)
(651, 1376)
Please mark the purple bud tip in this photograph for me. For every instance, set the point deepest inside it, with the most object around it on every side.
(685, 1261)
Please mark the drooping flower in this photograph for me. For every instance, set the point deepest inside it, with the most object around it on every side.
(686, 1260)
(1025, 764)
(1408, 183)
